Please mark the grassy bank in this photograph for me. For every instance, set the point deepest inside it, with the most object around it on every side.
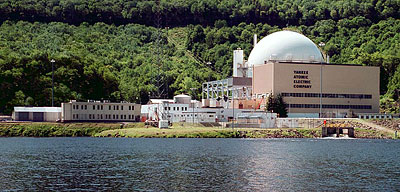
(372, 134)
(136, 130)
(32, 129)
(198, 131)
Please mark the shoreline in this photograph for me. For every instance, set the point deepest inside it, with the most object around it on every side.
(139, 130)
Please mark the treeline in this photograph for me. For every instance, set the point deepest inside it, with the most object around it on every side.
(204, 12)
(91, 62)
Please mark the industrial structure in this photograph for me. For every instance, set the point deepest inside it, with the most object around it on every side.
(96, 111)
(183, 109)
(39, 114)
(283, 63)
(290, 64)
(76, 111)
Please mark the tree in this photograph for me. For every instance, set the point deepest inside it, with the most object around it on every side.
(275, 104)
(271, 105)
(281, 106)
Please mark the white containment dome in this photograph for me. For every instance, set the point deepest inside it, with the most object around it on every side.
(286, 46)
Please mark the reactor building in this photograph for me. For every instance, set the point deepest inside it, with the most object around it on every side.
(290, 64)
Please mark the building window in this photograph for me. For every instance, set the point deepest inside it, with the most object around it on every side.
(94, 107)
(328, 95)
(122, 108)
(314, 106)
(129, 108)
(101, 107)
(117, 107)
(85, 107)
(133, 108)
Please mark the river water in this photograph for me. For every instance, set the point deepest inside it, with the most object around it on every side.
(125, 164)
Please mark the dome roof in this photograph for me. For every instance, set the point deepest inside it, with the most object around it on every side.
(182, 95)
(286, 46)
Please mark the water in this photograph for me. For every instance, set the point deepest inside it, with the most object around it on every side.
(110, 164)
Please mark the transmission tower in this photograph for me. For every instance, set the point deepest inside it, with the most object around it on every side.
(161, 81)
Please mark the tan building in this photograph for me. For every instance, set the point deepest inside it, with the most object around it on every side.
(100, 111)
(290, 64)
(344, 87)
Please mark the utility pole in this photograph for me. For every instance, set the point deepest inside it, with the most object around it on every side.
(320, 82)
(233, 108)
(52, 82)
(193, 89)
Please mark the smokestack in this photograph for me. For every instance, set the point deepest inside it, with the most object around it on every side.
(237, 62)
(255, 40)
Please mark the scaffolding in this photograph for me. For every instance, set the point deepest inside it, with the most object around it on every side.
(227, 88)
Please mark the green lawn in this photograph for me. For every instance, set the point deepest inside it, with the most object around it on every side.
(199, 131)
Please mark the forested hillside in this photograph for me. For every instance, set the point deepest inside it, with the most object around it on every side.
(205, 12)
(107, 49)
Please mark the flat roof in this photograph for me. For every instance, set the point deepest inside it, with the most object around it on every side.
(324, 63)
(38, 109)
(98, 102)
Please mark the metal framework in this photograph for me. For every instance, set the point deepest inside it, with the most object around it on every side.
(221, 88)
(161, 80)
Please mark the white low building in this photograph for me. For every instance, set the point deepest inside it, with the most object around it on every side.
(51, 114)
(183, 109)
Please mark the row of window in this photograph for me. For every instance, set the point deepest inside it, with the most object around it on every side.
(100, 116)
(175, 108)
(328, 95)
(100, 107)
(329, 106)
(191, 115)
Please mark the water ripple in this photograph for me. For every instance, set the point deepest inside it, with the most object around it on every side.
(120, 164)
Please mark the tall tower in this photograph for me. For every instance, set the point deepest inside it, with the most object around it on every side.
(160, 78)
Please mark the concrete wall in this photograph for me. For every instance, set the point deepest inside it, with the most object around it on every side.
(52, 116)
(263, 79)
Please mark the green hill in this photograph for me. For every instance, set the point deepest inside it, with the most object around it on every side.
(108, 49)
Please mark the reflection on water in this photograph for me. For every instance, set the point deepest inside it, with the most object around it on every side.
(95, 164)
